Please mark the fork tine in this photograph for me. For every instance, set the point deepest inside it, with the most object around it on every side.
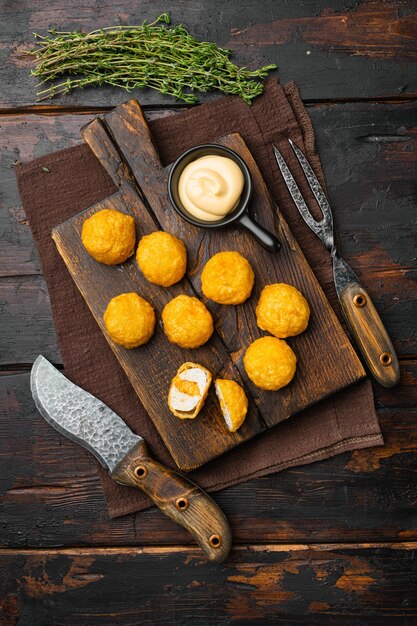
(315, 186)
(296, 194)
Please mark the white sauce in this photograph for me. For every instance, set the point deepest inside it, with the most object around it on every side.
(210, 187)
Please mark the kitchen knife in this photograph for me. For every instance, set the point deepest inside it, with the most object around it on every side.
(86, 420)
(361, 316)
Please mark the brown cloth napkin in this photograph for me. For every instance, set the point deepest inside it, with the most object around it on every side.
(76, 180)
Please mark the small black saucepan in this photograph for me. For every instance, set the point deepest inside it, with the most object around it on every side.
(240, 215)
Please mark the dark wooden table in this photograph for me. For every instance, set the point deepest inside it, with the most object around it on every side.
(331, 542)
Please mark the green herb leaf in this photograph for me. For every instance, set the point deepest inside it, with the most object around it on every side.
(169, 60)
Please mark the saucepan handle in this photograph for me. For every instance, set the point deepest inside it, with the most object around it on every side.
(179, 499)
(261, 234)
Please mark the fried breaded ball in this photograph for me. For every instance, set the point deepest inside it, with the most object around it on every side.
(282, 310)
(109, 236)
(233, 402)
(270, 363)
(162, 258)
(187, 322)
(227, 278)
(129, 320)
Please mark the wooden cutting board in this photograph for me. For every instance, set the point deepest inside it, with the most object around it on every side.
(123, 143)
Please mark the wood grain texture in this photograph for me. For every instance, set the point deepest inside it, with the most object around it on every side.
(237, 326)
(151, 368)
(342, 49)
(372, 144)
(365, 585)
(51, 494)
(192, 443)
(22, 138)
(52, 497)
(179, 499)
(370, 334)
(24, 306)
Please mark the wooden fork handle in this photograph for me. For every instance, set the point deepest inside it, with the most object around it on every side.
(179, 499)
(370, 334)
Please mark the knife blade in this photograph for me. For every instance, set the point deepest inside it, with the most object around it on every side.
(89, 422)
(359, 311)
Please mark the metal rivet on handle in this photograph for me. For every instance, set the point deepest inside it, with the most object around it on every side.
(215, 541)
(385, 359)
(182, 504)
(140, 471)
(359, 299)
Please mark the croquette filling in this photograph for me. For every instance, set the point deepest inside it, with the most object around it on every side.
(223, 407)
(187, 389)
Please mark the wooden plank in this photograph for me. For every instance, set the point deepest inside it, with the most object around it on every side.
(299, 584)
(23, 138)
(374, 222)
(371, 52)
(372, 145)
(28, 328)
(237, 326)
(51, 495)
(352, 50)
(151, 368)
(194, 443)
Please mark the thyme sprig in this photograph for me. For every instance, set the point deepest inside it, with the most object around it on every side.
(169, 60)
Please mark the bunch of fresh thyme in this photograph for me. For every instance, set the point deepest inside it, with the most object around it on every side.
(169, 60)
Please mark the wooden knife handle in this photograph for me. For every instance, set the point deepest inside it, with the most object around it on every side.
(370, 334)
(179, 499)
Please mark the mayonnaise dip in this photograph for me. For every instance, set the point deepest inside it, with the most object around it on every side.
(210, 187)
